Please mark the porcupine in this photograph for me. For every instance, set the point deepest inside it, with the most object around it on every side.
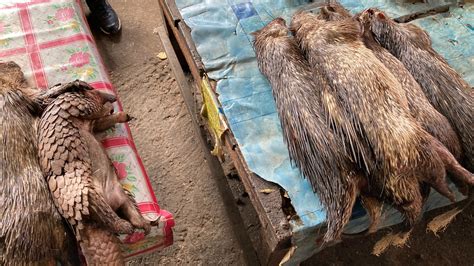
(376, 107)
(32, 232)
(420, 108)
(80, 176)
(429, 118)
(442, 85)
(311, 144)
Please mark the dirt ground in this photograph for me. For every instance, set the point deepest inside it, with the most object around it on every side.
(163, 132)
(208, 230)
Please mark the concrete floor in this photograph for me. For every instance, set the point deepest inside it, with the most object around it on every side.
(207, 231)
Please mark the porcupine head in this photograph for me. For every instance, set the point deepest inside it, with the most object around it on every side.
(12, 74)
(333, 11)
(12, 79)
(276, 28)
(391, 34)
(304, 22)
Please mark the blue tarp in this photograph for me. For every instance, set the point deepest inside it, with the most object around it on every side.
(221, 32)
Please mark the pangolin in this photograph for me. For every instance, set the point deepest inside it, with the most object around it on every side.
(81, 177)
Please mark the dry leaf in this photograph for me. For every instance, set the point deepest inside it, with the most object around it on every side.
(267, 190)
(396, 240)
(441, 222)
(162, 55)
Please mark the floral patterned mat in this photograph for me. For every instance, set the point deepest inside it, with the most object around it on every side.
(51, 41)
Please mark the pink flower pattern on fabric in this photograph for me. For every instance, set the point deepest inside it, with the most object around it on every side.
(64, 14)
(121, 170)
(64, 18)
(79, 59)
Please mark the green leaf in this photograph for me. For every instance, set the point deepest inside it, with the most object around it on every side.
(132, 178)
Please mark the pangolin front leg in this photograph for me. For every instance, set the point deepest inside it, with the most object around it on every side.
(109, 121)
(104, 213)
(131, 212)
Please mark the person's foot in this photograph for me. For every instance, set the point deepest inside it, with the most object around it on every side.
(105, 15)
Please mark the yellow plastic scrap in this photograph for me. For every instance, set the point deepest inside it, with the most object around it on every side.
(267, 190)
(162, 55)
(215, 119)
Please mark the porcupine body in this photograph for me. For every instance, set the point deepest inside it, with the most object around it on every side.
(311, 144)
(420, 108)
(376, 107)
(78, 168)
(32, 232)
(442, 85)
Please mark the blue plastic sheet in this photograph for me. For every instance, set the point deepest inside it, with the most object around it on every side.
(221, 32)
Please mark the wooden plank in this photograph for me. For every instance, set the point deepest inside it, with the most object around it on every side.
(186, 33)
(268, 206)
(170, 11)
(421, 14)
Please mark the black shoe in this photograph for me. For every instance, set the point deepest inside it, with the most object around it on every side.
(105, 15)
